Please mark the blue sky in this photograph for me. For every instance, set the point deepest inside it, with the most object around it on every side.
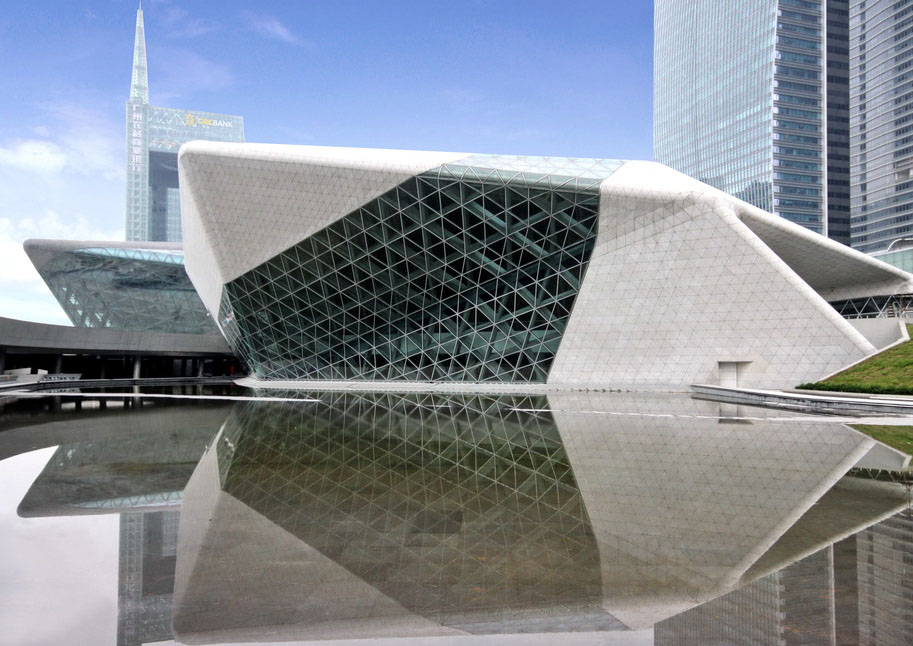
(567, 78)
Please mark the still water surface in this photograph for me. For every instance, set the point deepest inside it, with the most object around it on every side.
(449, 519)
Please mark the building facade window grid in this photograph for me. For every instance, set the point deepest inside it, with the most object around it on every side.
(881, 80)
(153, 138)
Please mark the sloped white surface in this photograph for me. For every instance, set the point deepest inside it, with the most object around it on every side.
(244, 203)
(677, 283)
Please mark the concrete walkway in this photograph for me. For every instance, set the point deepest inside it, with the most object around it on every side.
(816, 401)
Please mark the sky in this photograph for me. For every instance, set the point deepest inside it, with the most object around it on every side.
(570, 78)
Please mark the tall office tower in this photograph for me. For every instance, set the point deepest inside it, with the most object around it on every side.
(154, 136)
(881, 91)
(744, 93)
(837, 136)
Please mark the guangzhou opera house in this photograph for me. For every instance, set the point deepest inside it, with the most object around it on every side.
(359, 265)
(121, 285)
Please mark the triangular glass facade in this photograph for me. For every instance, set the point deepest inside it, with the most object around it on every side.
(467, 272)
(127, 289)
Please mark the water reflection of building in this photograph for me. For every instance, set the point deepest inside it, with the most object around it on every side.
(142, 467)
(371, 515)
(856, 591)
(793, 606)
(148, 549)
(885, 578)
(134, 463)
(454, 516)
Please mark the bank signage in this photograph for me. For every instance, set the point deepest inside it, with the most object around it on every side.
(193, 120)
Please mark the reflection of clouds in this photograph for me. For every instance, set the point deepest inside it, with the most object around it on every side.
(59, 574)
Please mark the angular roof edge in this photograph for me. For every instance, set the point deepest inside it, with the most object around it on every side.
(833, 269)
(41, 250)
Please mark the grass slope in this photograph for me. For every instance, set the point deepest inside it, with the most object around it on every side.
(897, 437)
(887, 373)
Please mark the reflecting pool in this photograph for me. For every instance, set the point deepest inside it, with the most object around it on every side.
(573, 518)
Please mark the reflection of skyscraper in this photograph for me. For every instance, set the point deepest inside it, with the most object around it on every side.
(148, 550)
(492, 514)
(792, 606)
(857, 591)
(885, 574)
(154, 136)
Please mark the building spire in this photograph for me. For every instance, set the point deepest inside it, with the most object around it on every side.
(139, 85)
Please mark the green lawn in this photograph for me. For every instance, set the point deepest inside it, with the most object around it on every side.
(888, 373)
(898, 437)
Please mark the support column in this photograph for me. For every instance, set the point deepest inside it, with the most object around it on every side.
(2, 361)
(101, 372)
(58, 365)
(184, 367)
(200, 367)
(137, 364)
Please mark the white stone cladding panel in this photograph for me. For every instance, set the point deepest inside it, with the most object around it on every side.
(252, 201)
(677, 283)
(198, 232)
(834, 270)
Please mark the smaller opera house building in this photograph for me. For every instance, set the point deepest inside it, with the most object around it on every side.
(121, 285)
(350, 265)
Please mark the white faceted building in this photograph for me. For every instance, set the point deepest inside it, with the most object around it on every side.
(358, 265)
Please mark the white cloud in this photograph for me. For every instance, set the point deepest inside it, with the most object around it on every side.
(270, 27)
(23, 293)
(34, 156)
(193, 28)
(187, 73)
(87, 145)
(94, 145)
(177, 24)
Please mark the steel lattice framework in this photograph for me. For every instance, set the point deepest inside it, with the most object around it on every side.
(126, 289)
(876, 307)
(462, 273)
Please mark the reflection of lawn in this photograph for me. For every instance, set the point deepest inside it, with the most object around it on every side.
(888, 373)
(897, 437)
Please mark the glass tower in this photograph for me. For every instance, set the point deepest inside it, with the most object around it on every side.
(154, 136)
(743, 97)
(881, 87)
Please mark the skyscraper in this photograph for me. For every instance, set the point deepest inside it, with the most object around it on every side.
(751, 97)
(881, 88)
(154, 136)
